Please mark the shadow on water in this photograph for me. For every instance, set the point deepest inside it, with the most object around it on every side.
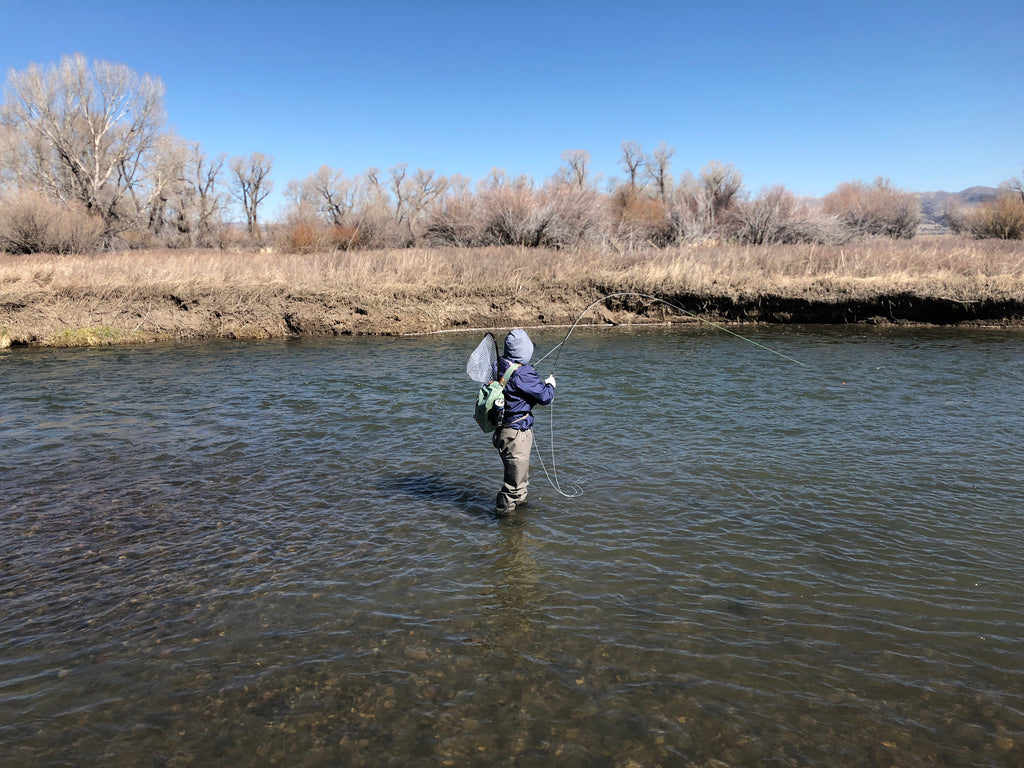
(440, 488)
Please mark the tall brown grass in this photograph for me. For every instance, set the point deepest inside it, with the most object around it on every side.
(950, 266)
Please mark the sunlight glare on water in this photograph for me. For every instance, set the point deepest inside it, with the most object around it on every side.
(283, 553)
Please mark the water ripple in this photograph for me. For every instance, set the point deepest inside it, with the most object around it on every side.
(284, 552)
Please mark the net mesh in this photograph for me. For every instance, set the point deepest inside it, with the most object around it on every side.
(483, 363)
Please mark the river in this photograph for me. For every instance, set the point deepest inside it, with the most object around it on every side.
(283, 553)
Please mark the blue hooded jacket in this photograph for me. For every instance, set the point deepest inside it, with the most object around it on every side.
(525, 389)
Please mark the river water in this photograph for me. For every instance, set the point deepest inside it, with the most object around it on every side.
(282, 553)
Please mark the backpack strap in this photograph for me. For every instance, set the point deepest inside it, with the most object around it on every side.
(504, 380)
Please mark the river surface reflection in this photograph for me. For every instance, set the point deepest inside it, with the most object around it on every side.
(283, 553)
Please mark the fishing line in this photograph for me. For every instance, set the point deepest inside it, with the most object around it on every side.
(560, 344)
(552, 476)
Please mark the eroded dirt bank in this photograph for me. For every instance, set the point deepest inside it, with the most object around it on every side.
(47, 319)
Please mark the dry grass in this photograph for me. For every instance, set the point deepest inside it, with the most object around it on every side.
(947, 267)
(958, 265)
(55, 299)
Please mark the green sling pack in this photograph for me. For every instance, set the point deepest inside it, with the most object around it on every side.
(487, 412)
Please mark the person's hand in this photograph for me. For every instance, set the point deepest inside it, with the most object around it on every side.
(550, 380)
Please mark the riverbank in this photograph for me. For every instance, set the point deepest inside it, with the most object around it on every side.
(147, 296)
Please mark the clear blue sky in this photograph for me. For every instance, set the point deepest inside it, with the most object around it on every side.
(804, 94)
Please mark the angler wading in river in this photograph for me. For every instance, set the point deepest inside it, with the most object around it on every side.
(511, 387)
(513, 438)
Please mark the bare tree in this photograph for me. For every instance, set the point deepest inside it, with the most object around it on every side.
(250, 185)
(398, 190)
(325, 210)
(657, 169)
(83, 132)
(392, 210)
(632, 161)
(303, 204)
(423, 191)
(197, 201)
(335, 195)
(576, 170)
(165, 182)
(373, 183)
(377, 212)
(721, 185)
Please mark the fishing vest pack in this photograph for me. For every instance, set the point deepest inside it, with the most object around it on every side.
(490, 401)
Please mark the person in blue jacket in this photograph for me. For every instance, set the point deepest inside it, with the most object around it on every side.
(514, 438)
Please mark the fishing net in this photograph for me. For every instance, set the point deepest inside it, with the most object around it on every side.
(483, 363)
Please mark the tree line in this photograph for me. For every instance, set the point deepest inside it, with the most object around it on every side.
(86, 163)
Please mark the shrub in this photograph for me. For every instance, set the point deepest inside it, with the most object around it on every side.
(513, 213)
(705, 207)
(640, 219)
(378, 228)
(777, 216)
(454, 220)
(302, 237)
(343, 238)
(32, 223)
(1002, 218)
(235, 238)
(576, 215)
(875, 209)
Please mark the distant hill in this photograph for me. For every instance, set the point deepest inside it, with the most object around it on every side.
(935, 204)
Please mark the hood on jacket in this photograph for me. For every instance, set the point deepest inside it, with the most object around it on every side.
(518, 347)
